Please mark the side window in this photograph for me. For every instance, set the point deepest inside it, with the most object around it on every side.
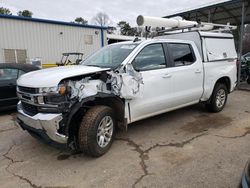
(182, 54)
(8, 74)
(150, 58)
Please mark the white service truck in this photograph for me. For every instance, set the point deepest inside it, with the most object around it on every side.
(81, 106)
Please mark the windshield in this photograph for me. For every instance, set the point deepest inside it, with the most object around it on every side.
(110, 56)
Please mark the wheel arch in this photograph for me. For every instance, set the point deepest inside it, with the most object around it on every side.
(224, 80)
(210, 85)
(80, 108)
(217, 101)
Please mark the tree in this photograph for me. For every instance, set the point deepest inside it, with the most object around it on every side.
(102, 19)
(81, 20)
(5, 11)
(111, 30)
(126, 29)
(25, 13)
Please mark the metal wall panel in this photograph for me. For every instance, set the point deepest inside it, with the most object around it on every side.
(47, 41)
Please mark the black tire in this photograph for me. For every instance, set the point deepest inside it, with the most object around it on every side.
(212, 104)
(87, 134)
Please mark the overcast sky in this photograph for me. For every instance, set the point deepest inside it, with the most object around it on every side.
(128, 10)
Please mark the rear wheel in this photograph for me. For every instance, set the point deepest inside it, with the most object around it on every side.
(218, 99)
(96, 131)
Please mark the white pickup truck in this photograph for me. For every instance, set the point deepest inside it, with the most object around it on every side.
(81, 106)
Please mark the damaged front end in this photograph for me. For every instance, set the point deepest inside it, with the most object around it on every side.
(126, 85)
(55, 112)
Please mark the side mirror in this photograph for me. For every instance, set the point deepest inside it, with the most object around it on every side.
(131, 68)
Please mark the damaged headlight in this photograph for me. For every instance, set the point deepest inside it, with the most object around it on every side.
(61, 89)
(48, 89)
(54, 99)
(52, 95)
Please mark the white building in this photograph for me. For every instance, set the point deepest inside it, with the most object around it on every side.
(23, 39)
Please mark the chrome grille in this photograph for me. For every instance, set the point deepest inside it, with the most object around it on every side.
(28, 90)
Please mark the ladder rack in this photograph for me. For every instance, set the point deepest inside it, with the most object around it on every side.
(219, 29)
(181, 25)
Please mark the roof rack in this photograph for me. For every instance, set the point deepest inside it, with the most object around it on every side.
(216, 28)
(181, 25)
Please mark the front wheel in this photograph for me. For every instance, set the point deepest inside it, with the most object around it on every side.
(218, 99)
(96, 131)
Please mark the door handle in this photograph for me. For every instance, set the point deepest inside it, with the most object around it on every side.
(167, 76)
(198, 71)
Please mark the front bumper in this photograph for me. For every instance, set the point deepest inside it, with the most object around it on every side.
(46, 125)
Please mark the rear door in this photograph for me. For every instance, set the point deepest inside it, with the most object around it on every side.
(8, 77)
(186, 72)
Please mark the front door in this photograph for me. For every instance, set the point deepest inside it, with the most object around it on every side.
(156, 88)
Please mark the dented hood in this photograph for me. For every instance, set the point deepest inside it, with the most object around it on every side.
(52, 76)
